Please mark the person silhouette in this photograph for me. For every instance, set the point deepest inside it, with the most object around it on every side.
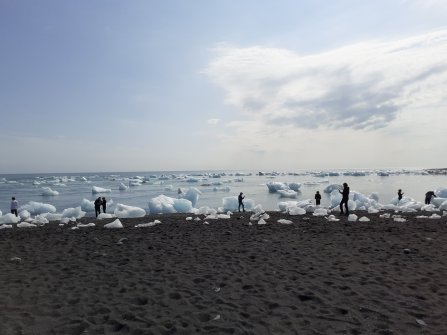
(317, 198)
(344, 199)
(98, 206)
(399, 195)
(104, 204)
(241, 203)
(428, 197)
(14, 206)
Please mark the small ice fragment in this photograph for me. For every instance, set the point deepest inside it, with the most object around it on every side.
(217, 317)
(421, 322)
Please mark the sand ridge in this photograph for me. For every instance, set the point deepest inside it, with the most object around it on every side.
(226, 277)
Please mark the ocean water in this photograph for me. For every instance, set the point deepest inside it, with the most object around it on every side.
(214, 185)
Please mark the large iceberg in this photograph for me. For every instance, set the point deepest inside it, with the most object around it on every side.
(125, 211)
(38, 208)
(441, 192)
(164, 205)
(192, 194)
(9, 218)
(232, 204)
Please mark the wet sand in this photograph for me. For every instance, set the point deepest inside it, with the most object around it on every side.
(187, 277)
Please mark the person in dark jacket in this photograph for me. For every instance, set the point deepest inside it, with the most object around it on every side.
(98, 203)
(345, 198)
(399, 195)
(104, 204)
(241, 203)
(317, 198)
(428, 197)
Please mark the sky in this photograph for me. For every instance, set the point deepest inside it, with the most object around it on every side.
(175, 85)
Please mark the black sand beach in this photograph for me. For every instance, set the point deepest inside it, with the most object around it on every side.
(186, 277)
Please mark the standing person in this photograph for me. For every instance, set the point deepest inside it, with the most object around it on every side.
(345, 198)
(399, 195)
(241, 203)
(317, 198)
(14, 206)
(98, 206)
(104, 204)
(428, 197)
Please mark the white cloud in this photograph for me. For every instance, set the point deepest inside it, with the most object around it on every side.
(213, 121)
(362, 86)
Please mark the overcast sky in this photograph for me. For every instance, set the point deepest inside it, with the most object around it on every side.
(198, 84)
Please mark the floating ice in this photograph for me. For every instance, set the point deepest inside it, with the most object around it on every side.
(38, 208)
(123, 187)
(274, 186)
(9, 218)
(115, 224)
(125, 211)
(73, 213)
(165, 205)
(46, 191)
(96, 189)
(222, 189)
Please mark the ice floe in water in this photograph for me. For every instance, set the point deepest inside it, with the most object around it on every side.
(46, 191)
(96, 189)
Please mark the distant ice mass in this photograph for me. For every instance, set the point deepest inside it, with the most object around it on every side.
(125, 211)
(46, 191)
(123, 187)
(164, 204)
(96, 189)
(38, 208)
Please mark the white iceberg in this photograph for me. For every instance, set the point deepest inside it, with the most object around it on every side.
(36, 208)
(165, 205)
(96, 189)
(125, 211)
(46, 191)
(73, 213)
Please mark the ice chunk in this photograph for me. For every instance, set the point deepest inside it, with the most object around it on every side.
(320, 212)
(9, 218)
(46, 191)
(352, 217)
(87, 205)
(24, 215)
(164, 205)
(332, 187)
(91, 224)
(36, 208)
(73, 213)
(443, 206)
(125, 211)
(25, 225)
(144, 225)
(441, 192)
(284, 221)
(262, 221)
(192, 194)
(115, 224)
(5, 226)
(40, 220)
(96, 189)
(287, 193)
(274, 186)
(103, 216)
(364, 219)
(123, 187)
(232, 203)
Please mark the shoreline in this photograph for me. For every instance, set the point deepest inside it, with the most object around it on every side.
(183, 277)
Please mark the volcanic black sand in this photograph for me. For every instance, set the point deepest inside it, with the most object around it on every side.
(226, 277)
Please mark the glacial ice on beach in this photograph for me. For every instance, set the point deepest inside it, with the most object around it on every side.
(441, 192)
(332, 187)
(87, 205)
(125, 211)
(38, 208)
(9, 218)
(192, 194)
(438, 201)
(96, 189)
(296, 207)
(26, 225)
(114, 225)
(46, 191)
(103, 216)
(165, 205)
(232, 204)
(76, 213)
